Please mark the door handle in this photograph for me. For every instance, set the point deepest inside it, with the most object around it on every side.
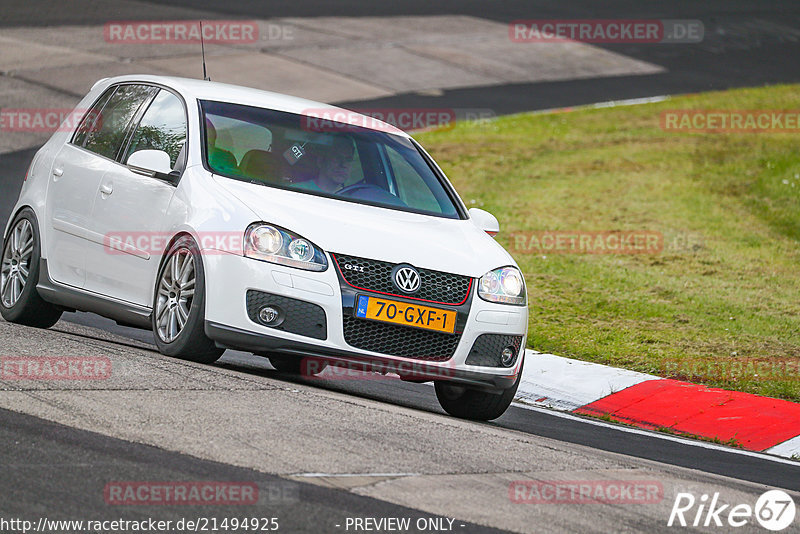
(57, 172)
(106, 189)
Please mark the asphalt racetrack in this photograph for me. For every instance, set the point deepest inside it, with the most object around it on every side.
(322, 453)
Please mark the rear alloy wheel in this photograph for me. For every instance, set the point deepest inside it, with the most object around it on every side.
(179, 306)
(19, 300)
(477, 405)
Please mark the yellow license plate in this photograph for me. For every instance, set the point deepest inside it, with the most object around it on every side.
(392, 311)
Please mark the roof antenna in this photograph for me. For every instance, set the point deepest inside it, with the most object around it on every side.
(203, 52)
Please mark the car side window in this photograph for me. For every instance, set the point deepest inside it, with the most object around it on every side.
(91, 120)
(163, 127)
(108, 133)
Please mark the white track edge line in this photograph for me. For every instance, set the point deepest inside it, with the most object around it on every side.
(659, 435)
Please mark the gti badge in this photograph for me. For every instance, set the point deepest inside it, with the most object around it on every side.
(406, 278)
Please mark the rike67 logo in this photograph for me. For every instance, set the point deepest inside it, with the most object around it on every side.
(774, 510)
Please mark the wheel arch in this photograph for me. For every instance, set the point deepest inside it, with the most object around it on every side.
(14, 216)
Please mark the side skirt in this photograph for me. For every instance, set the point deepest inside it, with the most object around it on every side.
(124, 313)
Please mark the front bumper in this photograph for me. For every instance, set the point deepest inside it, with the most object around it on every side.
(230, 277)
(234, 338)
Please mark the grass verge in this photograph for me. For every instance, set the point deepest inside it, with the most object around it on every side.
(719, 304)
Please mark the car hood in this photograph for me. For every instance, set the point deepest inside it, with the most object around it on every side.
(337, 226)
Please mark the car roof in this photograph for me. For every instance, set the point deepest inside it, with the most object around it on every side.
(237, 94)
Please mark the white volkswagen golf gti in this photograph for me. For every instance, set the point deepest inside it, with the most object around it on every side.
(226, 217)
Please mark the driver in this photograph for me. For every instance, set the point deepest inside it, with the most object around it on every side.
(335, 162)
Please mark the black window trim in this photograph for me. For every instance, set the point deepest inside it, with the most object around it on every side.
(133, 124)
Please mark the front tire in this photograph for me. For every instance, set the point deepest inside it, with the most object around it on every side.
(20, 302)
(178, 317)
(477, 405)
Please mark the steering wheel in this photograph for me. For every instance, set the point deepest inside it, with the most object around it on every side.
(371, 192)
(357, 187)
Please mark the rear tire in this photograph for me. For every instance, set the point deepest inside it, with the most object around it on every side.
(20, 302)
(477, 405)
(179, 304)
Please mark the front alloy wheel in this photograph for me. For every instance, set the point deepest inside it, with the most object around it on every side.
(175, 295)
(179, 306)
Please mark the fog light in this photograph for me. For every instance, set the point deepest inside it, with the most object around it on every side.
(507, 356)
(268, 314)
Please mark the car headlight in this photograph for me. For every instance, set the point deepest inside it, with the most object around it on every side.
(270, 243)
(504, 285)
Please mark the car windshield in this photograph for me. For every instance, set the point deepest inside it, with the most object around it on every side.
(324, 158)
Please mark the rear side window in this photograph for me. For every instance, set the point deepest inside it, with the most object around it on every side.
(163, 127)
(110, 125)
(91, 120)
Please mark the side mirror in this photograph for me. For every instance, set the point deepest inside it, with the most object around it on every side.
(154, 163)
(485, 221)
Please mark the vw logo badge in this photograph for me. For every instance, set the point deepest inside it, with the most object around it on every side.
(406, 278)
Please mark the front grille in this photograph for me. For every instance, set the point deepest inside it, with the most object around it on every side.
(397, 340)
(375, 275)
(300, 317)
(487, 348)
